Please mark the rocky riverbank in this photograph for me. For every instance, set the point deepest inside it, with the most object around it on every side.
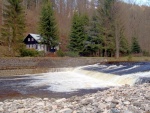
(125, 99)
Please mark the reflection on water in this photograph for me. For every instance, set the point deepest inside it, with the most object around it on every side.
(78, 81)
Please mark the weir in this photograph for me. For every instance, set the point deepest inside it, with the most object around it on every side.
(110, 79)
(119, 74)
(60, 82)
(92, 77)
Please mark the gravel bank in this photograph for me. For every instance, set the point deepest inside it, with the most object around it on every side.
(125, 99)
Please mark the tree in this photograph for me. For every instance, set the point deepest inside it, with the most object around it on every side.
(118, 21)
(135, 46)
(78, 35)
(47, 25)
(106, 26)
(94, 40)
(124, 45)
(14, 24)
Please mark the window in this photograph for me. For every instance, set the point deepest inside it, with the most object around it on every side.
(28, 39)
(32, 39)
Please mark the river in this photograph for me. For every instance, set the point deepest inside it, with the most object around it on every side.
(67, 82)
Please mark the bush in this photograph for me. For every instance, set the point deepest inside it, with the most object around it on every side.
(129, 57)
(72, 54)
(60, 53)
(28, 52)
(146, 53)
(41, 53)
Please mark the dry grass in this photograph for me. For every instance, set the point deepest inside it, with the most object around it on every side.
(138, 59)
(3, 51)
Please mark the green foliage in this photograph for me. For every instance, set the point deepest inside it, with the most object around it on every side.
(72, 54)
(145, 53)
(14, 24)
(47, 25)
(100, 32)
(106, 27)
(41, 53)
(28, 52)
(60, 53)
(124, 46)
(129, 57)
(78, 34)
(135, 46)
(93, 43)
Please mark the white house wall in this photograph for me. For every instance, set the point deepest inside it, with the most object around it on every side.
(41, 47)
(38, 47)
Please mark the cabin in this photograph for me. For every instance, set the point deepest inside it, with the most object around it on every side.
(33, 41)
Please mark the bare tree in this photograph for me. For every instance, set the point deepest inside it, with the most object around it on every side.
(118, 24)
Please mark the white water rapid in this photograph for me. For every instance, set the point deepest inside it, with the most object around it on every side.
(87, 77)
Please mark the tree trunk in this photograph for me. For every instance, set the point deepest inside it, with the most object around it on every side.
(105, 52)
(117, 40)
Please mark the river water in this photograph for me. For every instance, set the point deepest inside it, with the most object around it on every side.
(66, 82)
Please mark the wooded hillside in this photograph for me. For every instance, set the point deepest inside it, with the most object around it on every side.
(135, 19)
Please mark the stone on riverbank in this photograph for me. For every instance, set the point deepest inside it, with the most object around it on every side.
(125, 99)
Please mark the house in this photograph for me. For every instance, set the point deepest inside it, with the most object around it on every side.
(33, 41)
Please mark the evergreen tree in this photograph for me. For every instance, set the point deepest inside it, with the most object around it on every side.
(124, 46)
(106, 27)
(78, 35)
(47, 25)
(135, 46)
(94, 40)
(14, 24)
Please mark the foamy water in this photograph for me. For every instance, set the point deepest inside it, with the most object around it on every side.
(89, 77)
(67, 82)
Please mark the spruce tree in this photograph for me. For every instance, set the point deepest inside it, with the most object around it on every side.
(14, 24)
(47, 25)
(106, 27)
(94, 40)
(124, 46)
(78, 35)
(135, 46)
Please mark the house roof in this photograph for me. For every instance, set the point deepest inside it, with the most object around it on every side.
(37, 37)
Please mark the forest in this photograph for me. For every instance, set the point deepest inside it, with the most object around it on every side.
(106, 28)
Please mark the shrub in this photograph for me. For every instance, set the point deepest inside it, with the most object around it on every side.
(60, 53)
(146, 53)
(28, 52)
(129, 57)
(72, 54)
(41, 53)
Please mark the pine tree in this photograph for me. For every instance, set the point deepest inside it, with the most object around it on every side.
(94, 40)
(78, 35)
(14, 24)
(47, 25)
(106, 27)
(124, 46)
(135, 46)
